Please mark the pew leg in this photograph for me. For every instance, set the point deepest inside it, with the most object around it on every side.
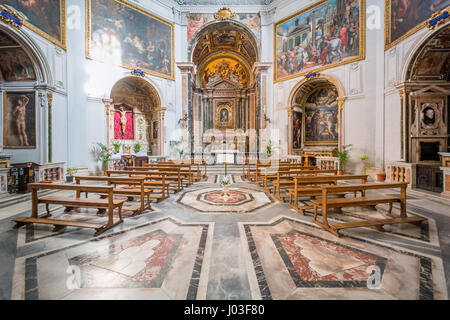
(389, 214)
(47, 208)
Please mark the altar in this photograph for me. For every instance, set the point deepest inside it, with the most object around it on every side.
(226, 156)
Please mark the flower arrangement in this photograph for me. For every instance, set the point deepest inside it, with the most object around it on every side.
(117, 145)
(342, 155)
(137, 147)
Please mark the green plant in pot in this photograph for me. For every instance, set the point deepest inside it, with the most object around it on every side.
(367, 165)
(137, 147)
(342, 155)
(70, 173)
(269, 149)
(103, 154)
(117, 146)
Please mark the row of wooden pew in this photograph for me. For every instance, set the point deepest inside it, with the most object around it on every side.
(325, 189)
(152, 182)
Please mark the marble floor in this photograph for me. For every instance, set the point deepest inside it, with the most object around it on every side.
(202, 244)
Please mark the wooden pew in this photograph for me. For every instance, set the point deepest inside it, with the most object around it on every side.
(134, 187)
(110, 204)
(260, 171)
(310, 186)
(173, 173)
(325, 203)
(153, 181)
(286, 179)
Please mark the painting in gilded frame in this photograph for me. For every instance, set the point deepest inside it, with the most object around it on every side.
(224, 118)
(45, 17)
(321, 117)
(19, 120)
(403, 18)
(297, 120)
(122, 34)
(338, 38)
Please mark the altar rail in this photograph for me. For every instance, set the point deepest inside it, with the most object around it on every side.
(401, 172)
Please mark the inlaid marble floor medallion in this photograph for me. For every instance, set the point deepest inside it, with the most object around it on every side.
(215, 200)
(294, 260)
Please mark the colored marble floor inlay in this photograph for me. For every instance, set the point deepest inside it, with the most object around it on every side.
(313, 261)
(234, 200)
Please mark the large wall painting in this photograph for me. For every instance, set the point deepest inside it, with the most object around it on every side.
(123, 34)
(406, 17)
(19, 120)
(45, 17)
(321, 117)
(338, 38)
(250, 20)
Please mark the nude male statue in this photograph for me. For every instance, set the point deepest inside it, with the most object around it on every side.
(19, 115)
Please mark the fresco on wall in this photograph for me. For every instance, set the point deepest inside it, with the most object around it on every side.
(19, 120)
(46, 17)
(321, 117)
(125, 35)
(297, 129)
(405, 17)
(250, 20)
(15, 65)
(434, 63)
(338, 38)
(225, 68)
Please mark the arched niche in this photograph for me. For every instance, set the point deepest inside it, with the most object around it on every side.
(25, 72)
(425, 91)
(311, 99)
(19, 41)
(135, 115)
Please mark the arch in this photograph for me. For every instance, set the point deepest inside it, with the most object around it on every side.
(322, 77)
(147, 113)
(214, 25)
(310, 85)
(417, 48)
(40, 64)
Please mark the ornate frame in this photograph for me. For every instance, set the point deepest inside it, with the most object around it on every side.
(387, 27)
(62, 43)
(227, 104)
(5, 130)
(362, 42)
(142, 11)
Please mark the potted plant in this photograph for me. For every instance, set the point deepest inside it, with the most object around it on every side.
(367, 165)
(117, 146)
(70, 173)
(225, 185)
(381, 176)
(137, 147)
(342, 155)
(103, 154)
(269, 149)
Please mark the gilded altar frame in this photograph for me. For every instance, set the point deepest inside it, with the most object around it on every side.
(221, 104)
(362, 42)
(144, 12)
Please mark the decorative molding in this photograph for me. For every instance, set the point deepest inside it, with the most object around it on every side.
(438, 19)
(9, 17)
(224, 14)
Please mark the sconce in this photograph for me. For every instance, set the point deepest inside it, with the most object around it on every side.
(184, 119)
